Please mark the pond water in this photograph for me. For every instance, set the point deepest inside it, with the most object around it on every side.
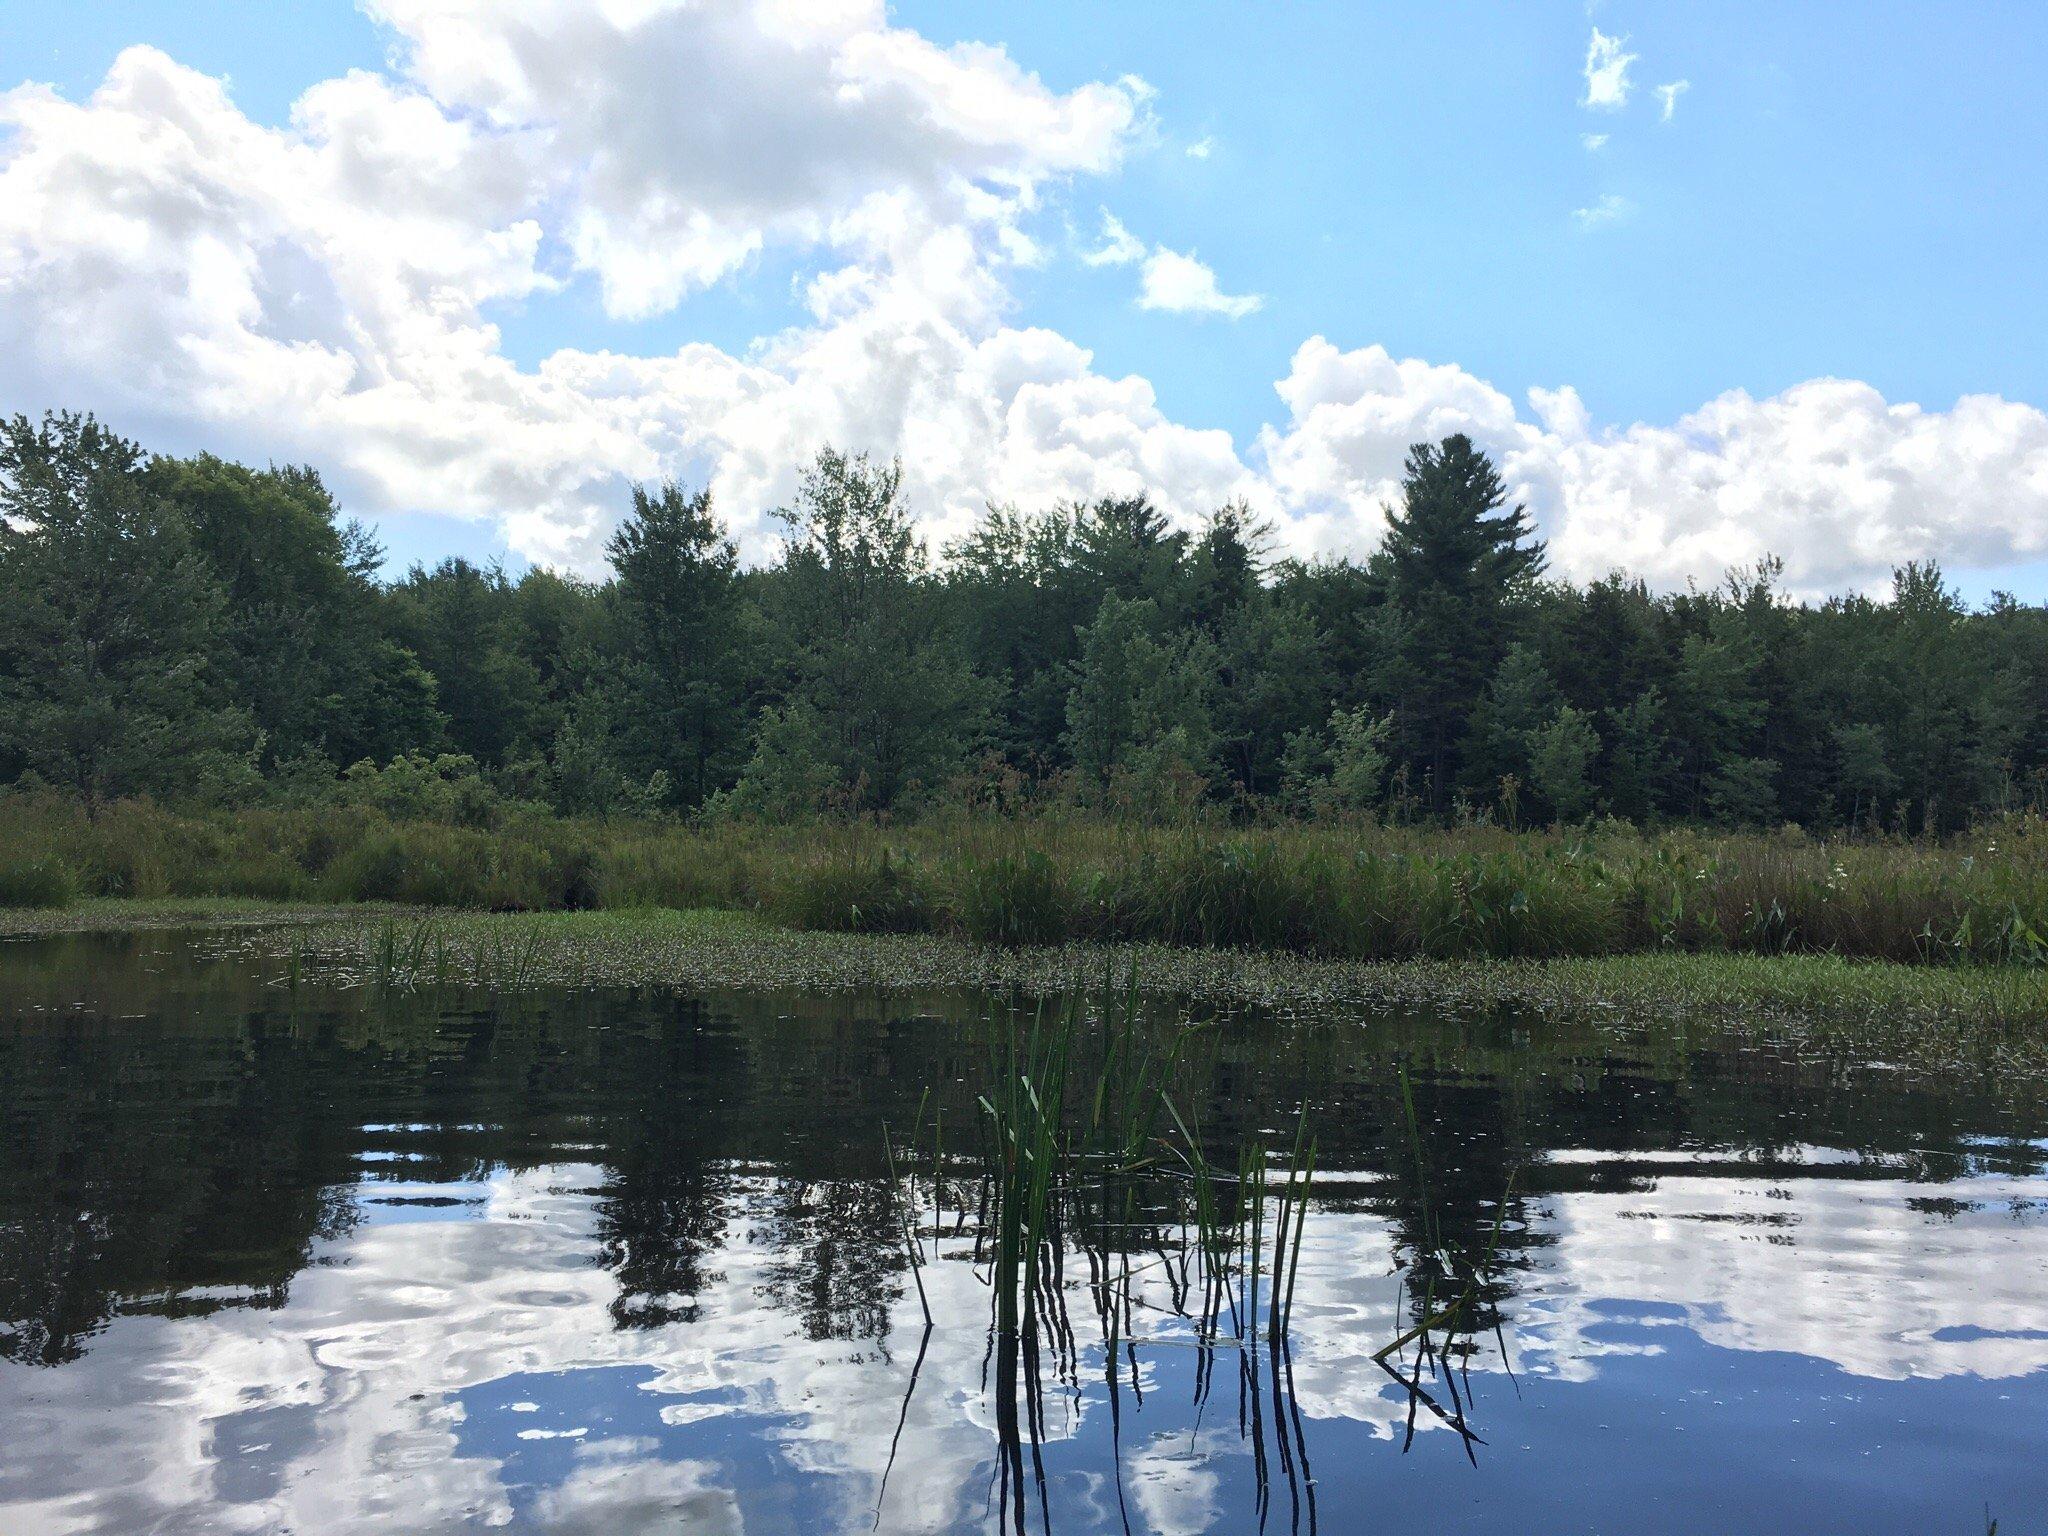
(316, 1259)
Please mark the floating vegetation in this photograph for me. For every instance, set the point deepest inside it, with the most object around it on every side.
(1984, 1022)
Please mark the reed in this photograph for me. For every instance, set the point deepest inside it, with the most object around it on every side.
(1353, 892)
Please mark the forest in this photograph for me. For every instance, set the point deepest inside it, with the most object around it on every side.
(209, 634)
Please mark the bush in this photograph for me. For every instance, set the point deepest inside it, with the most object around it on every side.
(36, 882)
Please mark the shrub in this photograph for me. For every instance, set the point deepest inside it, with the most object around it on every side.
(36, 882)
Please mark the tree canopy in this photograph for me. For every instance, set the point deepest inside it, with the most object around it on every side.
(190, 627)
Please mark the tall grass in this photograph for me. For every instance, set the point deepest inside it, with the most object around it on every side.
(1350, 892)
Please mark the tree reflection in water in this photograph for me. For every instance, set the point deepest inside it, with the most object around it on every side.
(183, 1135)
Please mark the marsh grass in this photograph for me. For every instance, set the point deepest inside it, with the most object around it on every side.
(1348, 892)
(1082, 1157)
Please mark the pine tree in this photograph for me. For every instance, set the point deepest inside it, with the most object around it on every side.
(1561, 757)
(1518, 704)
(1454, 554)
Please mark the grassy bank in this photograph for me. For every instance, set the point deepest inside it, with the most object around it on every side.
(1340, 892)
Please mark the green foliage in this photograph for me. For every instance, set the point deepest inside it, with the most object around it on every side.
(36, 882)
(1014, 899)
(1509, 720)
(210, 635)
(109, 683)
(790, 777)
(1561, 756)
(298, 644)
(416, 787)
(1454, 556)
(880, 693)
(1343, 770)
(1353, 892)
(683, 651)
(463, 624)
(1140, 724)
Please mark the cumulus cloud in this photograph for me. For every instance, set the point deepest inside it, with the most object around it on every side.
(1170, 280)
(328, 290)
(1179, 283)
(1593, 142)
(1829, 475)
(1667, 98)
(698, 133)
(1119, 248)
(1606, 71)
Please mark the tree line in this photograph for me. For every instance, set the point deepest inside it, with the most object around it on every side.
(196, 629)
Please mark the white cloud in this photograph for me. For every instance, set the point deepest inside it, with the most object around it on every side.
(1201, 149)
(327, 291)
(698, 133)
(1829, 475)
(1169, 280)
(1178, 283)
(1119, 248)
(1609, 208)
(1606, 70)
(1667, 98)
(1593, 142)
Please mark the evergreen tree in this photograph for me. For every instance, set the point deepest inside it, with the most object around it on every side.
(1517, 706)
(1124, 548)
(1717, 716)
(109, 624)
(461, 621)
(1021, 601)
(1639, 757)
(1273, 682)
(1224, 568)
(1864, 776)
(1454, 554)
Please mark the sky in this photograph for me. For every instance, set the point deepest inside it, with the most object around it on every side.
(1710, 282)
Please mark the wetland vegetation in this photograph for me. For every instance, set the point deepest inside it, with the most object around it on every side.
(1104, 1032)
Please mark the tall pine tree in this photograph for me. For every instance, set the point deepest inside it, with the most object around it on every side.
(1454, 555)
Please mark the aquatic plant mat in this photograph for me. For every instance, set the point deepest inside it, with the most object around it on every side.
(1989, 1021)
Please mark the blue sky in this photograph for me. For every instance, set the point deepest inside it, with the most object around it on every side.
(1847, 192)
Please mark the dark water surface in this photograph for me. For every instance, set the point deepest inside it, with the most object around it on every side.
(336, 1261)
